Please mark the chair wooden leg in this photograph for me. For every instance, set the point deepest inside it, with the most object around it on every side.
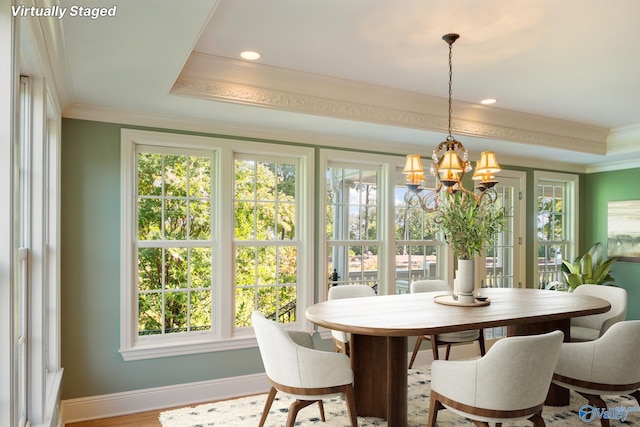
(434, 347)
(480, 423)
(267, 406)
(434, 407)
(295, 408)
(636, 394)
(537, 420)
(415, 351)
(341, 347)
(321, 406)
(350, 397)
(446, 355)
(481, 343)
(597, 402)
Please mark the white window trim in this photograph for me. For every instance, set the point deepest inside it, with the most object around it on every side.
(518, 178)
(389, 167)
(224, 336)
(39, 254)
(572, 199)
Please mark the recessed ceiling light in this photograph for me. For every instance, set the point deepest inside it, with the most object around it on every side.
(250, 55)
(488, 101)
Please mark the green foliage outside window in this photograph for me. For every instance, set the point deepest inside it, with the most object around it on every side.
(175, 242)
(174, 275)
(265, 233)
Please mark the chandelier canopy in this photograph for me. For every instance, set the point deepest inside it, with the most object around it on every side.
(450, 164)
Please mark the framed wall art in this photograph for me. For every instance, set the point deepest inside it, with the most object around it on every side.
(623, 232)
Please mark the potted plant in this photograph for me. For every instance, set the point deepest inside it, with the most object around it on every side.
(466, 223)
(592, 267)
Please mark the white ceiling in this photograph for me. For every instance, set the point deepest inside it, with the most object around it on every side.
(370, 72)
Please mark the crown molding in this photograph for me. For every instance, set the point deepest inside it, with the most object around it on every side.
(291, 90)
(270, 98)
(624, 139)
(614, 166)
(136, 119)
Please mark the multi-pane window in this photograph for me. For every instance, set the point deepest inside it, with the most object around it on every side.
(416, 246)
(36, 286)
(500, 250)
(352, 225)
(372, 236)
(174, 244)
(212, 230)
(555, 225)
(266, 243)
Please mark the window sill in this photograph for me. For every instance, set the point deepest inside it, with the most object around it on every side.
(174, 348)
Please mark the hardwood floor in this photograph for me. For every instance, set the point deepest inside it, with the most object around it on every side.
(142, 419)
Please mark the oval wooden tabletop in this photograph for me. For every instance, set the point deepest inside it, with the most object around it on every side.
(419, 314)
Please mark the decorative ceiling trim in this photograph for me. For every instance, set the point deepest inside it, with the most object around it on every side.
(624, 140)
(173, 123)
(248, 95)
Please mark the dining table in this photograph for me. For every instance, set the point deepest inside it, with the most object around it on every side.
(381, 325)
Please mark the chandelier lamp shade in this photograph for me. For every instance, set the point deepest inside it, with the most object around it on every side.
(450, 164)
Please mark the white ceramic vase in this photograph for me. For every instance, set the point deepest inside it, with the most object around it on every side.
(464, 284)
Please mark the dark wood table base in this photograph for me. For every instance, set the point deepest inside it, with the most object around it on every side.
(384, 368)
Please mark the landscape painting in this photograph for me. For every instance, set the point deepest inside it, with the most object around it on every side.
(623, 237)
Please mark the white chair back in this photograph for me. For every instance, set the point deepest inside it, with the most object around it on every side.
(429, 285)
(511, 381)
(516, 371)
(611, 359)
(348, 291)
(278, 351)
(616, 296)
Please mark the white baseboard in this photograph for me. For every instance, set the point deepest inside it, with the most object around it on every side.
(112, 405)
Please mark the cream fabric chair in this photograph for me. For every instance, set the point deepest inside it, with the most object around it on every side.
(509, 383)
(342, 339)
(443, 339)
(588, 328)
(609, 365)
(296, 369)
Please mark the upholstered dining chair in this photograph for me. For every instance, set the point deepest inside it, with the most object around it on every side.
(509, 383)
(341, 339)
(608, 365)
(449, 338)
(295, 368)
(588, 328)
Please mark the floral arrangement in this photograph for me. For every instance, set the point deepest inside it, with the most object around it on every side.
(467, 222)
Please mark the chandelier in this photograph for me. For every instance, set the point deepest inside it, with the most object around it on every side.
(450, 163)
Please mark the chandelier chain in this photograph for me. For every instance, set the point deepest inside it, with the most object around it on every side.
(450, 137)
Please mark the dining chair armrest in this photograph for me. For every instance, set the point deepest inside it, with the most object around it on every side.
(301, 338)
(318, 368)
(611, 321)
(455, 379)
(576, 360)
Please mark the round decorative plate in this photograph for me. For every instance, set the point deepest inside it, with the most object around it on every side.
(448, 300)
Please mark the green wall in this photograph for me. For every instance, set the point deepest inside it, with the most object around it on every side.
(91, 270)
(599, 189)
(91, 279)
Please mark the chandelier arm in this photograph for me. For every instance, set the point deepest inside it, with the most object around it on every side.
(489, 193)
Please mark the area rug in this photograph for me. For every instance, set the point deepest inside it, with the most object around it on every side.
(246, 411)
